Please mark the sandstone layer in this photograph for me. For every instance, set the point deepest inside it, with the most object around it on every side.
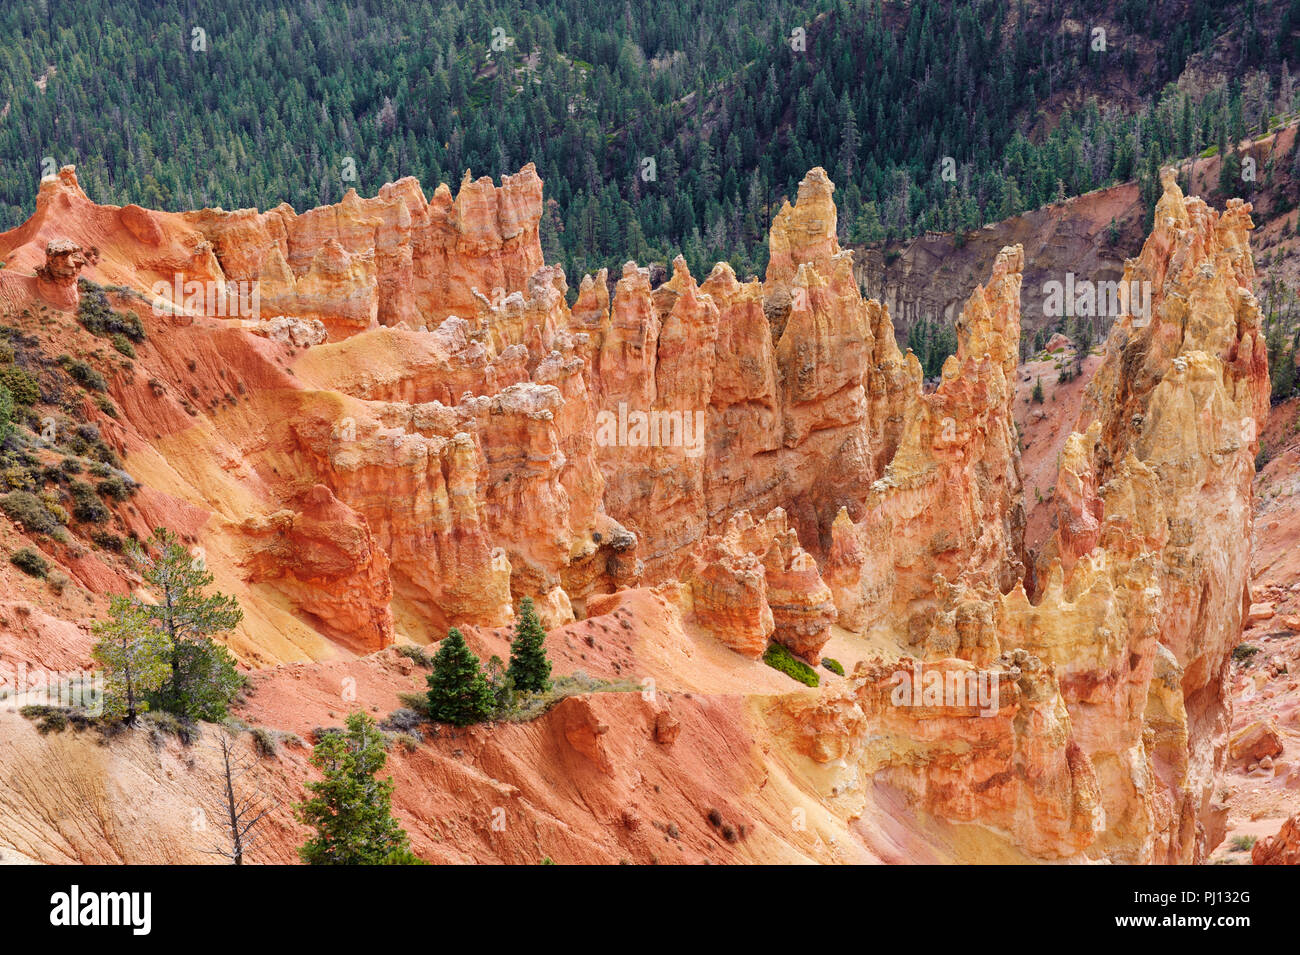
(421, 423)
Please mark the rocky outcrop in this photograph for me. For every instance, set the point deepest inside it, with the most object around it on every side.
(989, 746)
(301, 333)
(325, 559)
(56, 279)
(1281, 849)
(1155, 528)
(426, 431)
(724, 396)
(949, 500)
(1140, 595)
(755, 582)
(395, 258)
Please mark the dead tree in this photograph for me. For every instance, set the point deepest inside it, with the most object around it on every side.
(241, 808)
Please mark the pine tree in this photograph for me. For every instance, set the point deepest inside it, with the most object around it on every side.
(137, 659)
(204, 681)
(458, 692)
(349, 808)
(1037, 396)
(530, 670)
(203, 676)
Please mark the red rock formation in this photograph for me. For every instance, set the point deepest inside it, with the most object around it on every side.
(1165, 466)
(999, 751)
(56, 279)
(754, 582)
(948, 502)
(390, 259)
(463, 438)
(1281, 849)
(325, 558)
(1143, 588)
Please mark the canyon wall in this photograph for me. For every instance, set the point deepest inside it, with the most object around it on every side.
(1127, 640)
(417, 428)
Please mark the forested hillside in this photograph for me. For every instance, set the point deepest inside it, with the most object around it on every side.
(665, 127)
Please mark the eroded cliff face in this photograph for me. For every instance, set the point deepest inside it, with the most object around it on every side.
(1156, 493)
(1143, 586)
(416, 429)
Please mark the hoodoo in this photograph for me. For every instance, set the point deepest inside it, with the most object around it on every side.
(408, 437)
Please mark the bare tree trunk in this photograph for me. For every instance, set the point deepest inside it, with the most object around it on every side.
(243, 813)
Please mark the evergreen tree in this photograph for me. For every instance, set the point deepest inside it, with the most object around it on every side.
(137, 659)
(530, 670)
(1037, 396)
(202, 679)
(1281, 361)
(876, 100)
(458, 692)
(349, 808)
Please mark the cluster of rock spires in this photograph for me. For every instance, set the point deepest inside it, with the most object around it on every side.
(1113, 712)
(435, 456)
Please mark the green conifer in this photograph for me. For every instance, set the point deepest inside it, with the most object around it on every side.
(530, 670)
(458, 692)
(350, 809)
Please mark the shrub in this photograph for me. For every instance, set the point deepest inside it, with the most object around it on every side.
(402, 720)
(52, 719)
(779, 658)
(833, 665)
(104, 455)
(529, 706)
(417, 702)
(106, 540)
(99, 318)
(169, 724)
(21, 385)
(25, 508)
(264, 741)
(86, 505)
(19, 478)
(1243, 652)
(1243, 843)
(55, 719)
(115, 488)
(122, 344)
(30, 562)
(6, 413)
(56, 510)
(83, 374)
(416, 654)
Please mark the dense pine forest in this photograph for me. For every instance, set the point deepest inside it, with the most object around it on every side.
(660, 126)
